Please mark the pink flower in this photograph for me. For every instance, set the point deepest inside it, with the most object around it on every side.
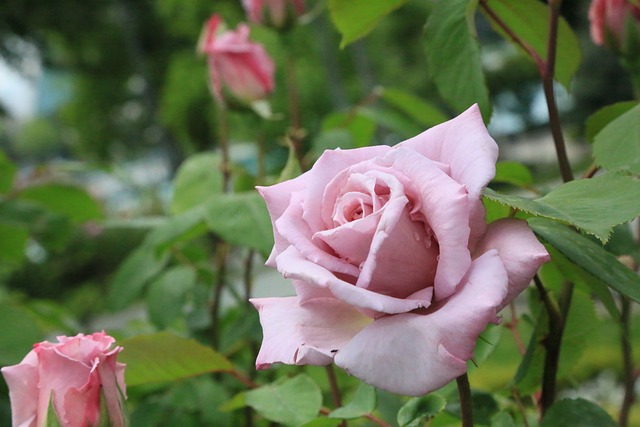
(276, 13)
(236, 64)
(71, 375)
(395, 271)
(613, 22)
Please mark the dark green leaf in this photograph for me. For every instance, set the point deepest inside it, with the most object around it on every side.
(590, 256)
(419, 409)
(356, 18)
(363, 403)
(241, 219)
(593, 205)
(514, 173)
(418, 109)
(601, 118)
(617, 146)
(167, 357)
(167, 295)
(7, 173)
(72, 202)
(528, 19)
(293, 402)
(360, 127)
(14, 242)
(18, 339)
(576, 412)
(197, 180)
(454, 55)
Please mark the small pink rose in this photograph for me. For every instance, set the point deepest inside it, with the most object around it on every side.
(274, 13)
(395, 271)
(71, 375)
(237, 66)
(614, 23)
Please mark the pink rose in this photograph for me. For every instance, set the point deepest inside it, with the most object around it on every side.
(71, 375)
(613, 22)
(276, 13)
(395, 271)
(236, 64)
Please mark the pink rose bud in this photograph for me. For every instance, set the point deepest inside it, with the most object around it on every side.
(73, 376)
(395, 270)
(274, 13)
(616, 24)
(237, 66)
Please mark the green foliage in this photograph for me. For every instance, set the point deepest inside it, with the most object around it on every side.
(165, 356)
(617, 145)
(419, 409)
(16, 341)
(356, 18)
(167, 294)
(7, 173)
(454, 55)
(72, 202)
(593, 205)
(362, 403)
(293, 402)
(199, 178)
(423, 112)
(576, 412)
(514, 173)
(601, 118)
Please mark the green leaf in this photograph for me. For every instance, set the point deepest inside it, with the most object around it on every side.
(70, 201)
(164, 357)
(363, 403)
(354, 19)
(241, 219)
(167, 295)
(392, 120)
(502, 419)
(419, 409)
(487, 343)
(418, 109)
(7, 172)
(331, 139)
(593, 205)
(528, 19)
(197, 179)
(14, 243)
(236, 402)
(360, 127)
(454, 55)
(590, 256)
(133, 274)
(18, 339)
(514, 173)
(601, 118)
(293, 402)
(180, 228)
(323, 422)
(617, 146)
(576, 412)
(292, 168)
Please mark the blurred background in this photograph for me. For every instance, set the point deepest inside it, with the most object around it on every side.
(101, 103)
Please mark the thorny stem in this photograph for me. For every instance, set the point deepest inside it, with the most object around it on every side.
(466, 403)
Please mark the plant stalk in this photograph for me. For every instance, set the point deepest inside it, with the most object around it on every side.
(466, 402)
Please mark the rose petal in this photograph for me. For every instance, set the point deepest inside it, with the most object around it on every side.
(292, 265)
(113, 387)
(414, 354)
(308, 333)
(444, 204)
(521, 253)
(22, 380)
(465, 145)
(351, 241)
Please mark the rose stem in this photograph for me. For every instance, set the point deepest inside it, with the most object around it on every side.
(513, 326)
(296, 132)
(335, 389)
(466, 403)
(628, 376)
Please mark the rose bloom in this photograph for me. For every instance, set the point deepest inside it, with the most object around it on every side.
(71, 375)
(276, 13)
(613, 22)
(239, 66)
(395, 271)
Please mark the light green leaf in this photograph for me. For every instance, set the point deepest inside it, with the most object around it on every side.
(392, 120)
(617, 146)
(514, 173)
(179, 228)
(7, 173)
(528, 19)
(576, 412)
(164, 357)
(487, 343)
(419, 409)
(167, 295)
(292, 168)
(418, 109)
(236, 402)
(593, 205)
(454, 55)
(133, 274)
(502, 419)
(293, 402)
(590, 256)
(601, 118)
(363, 403)
(360, 127)
(323, 422)
(354, 19)
(241, 219)
(330, 139)
(197, 180)
(18, 339)
(13, 238)
(70, 201)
